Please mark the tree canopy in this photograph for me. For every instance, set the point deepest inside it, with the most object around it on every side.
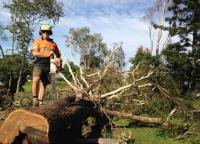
(182, 55)
(26, 15)
(91, 47)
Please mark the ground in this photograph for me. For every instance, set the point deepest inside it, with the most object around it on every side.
(123, 129)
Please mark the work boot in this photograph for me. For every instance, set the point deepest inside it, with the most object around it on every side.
(35, 102)
(41, 103)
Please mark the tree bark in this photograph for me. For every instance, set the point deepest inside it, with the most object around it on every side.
(161, 24)
(2, 51)
(133, 117)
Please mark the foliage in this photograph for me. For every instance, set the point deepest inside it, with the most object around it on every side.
(182, 55)
(146, 136)
(2, 33)
(10, 66)
(91, 47)
(185, 22)
(26, 14)
(182, 58)
(118, 56)
(143, 54)
(75, 70)
(111, 81)
(157, 100)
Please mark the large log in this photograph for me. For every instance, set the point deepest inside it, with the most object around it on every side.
(21, 121)
(67, 118)
(133, 117)
(56, 123)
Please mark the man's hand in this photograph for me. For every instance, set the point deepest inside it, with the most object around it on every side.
(50, 53)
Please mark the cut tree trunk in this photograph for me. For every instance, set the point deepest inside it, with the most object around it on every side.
(21, 122)
(133, 117)
(60, 122)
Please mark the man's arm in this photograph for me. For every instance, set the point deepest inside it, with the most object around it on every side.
(57, 52)
(38, 54)
(36, 51)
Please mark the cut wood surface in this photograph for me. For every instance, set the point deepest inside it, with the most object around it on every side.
(33, 125)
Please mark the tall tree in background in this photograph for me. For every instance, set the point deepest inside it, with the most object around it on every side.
(185, 26)
(91, 47)
(159, 8)
(2, 37)
(118, 56)
(163, 4)
(26, 14)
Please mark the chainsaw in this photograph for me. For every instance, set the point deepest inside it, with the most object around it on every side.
(55, 66)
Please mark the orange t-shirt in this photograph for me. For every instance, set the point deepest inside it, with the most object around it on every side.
(45, 47)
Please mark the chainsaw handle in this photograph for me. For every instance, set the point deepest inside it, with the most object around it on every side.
(52, 56)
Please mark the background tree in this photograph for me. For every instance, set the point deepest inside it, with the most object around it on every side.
(26, 14)
(9, 66)
(159, 8)
(118, 56)
(144, 54)
(2, 37)
(66, 72)
(91, 47)
(182, 56)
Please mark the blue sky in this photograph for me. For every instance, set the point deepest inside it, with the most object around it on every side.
(116, 20)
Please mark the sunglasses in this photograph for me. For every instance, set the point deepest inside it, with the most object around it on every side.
(48, 32)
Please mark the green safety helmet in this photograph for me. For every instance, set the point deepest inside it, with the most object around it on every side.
(45, 27)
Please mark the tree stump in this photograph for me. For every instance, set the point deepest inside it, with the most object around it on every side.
(22, 122)
(59, 122)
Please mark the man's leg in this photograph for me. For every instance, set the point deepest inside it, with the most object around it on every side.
(41, 92)
(36, 79)
(34, 89)
(34, 85)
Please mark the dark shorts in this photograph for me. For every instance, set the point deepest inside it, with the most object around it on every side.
(42, 71)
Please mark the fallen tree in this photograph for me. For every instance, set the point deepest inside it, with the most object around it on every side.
(63, 121)
(69, 120)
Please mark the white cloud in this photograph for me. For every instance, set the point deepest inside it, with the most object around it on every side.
(130, 30)
(116, 20)
(4, 13)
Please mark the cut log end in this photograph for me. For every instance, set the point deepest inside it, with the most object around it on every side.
(33, 125)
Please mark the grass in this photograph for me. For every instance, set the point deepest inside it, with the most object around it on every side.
(141, 135)
(59, 85)
(145, 136)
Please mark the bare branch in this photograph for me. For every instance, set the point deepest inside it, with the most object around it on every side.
(79, 83)
(82, 78)
(116, 91)
(169, 115)
(124, 88)
(143, 77)
(144, 85)
(94, 74)
(133, 117)
(134, 70)
(68, 82)
(186, 133)
(70, 70)
(117, 95)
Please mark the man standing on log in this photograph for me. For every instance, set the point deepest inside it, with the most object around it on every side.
(42, 50)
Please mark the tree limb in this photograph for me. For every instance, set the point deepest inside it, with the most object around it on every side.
(133, 117)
